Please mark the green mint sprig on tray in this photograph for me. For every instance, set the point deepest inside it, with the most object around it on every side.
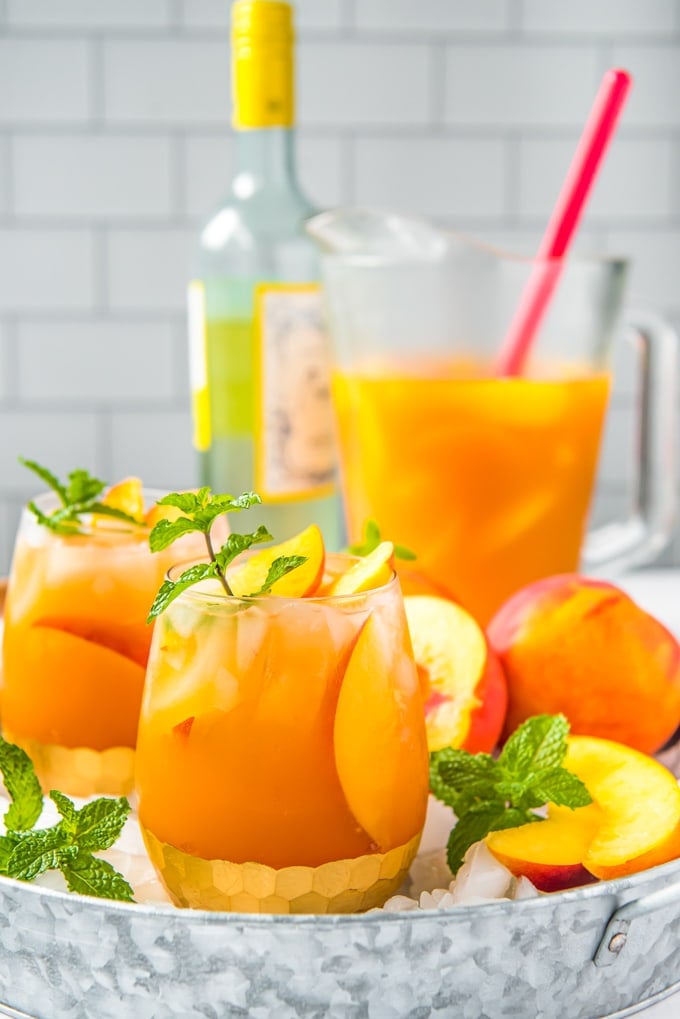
(372, 538)
(78, 495)
(67, 846)
(199, 512)
(487, 794)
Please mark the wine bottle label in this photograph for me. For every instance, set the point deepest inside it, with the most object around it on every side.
(198, 366)
(294, 435)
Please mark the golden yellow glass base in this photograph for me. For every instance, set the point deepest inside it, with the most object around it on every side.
(80, 771)
(342, 886)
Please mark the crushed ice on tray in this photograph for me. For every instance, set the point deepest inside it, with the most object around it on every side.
(429, 884)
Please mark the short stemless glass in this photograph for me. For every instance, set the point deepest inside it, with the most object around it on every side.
(76, 644)
(282, 762)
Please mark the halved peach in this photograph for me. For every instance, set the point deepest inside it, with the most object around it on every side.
(379, 738)
(369, 572)
(464, 686)
(249, 576)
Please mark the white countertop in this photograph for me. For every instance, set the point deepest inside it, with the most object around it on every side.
(657, 591)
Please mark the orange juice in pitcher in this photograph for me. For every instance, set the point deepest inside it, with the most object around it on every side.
(489, 480)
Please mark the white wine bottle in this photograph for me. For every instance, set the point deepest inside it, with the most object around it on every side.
(259, 353)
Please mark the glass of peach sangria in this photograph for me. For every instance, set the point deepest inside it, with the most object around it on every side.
(76, 639)
(282, 763)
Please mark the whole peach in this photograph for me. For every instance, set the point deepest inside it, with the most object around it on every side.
(584, 648)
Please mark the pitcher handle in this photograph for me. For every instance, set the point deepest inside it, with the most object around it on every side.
(639, 539)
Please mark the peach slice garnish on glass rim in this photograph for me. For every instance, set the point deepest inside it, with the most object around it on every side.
(371, 571)
(249, 576)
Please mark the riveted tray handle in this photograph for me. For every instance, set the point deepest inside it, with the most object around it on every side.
(615, 935)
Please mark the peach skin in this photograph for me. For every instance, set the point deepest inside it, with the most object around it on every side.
(583, 648)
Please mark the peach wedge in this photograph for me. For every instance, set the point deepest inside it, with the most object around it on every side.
(632, 824)
(249, 576)
(367, 573)
(379, 732)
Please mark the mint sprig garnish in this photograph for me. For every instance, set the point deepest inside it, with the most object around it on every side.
(488, 795)
(78, 495)
(69, 845)
(199, 512)
(372, 538)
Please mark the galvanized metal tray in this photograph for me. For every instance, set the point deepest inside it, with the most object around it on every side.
(607, 949)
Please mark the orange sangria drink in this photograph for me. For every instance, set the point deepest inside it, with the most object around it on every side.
(501, 470)
(282, 764)
(76, 640)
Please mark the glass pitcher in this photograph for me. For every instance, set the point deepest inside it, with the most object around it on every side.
(487, 479)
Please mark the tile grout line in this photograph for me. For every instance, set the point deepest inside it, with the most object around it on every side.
(437, 83)
(100, 270)
(7, 157)
(179, 183)
(96, 82)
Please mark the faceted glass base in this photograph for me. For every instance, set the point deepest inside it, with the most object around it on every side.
(80, 771)
(342, 886)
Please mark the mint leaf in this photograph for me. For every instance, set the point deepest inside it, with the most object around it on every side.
(200, 510)
(187, 502)
(82, 487)
(474, 826)
(504, 793)
(561, 787)
(172, 589)
(88, 875)
(45, 475)
(102, 510)
(23, 787)
(7, 846)
(78, 496)
(540, 742)
(279, 568)
(402, 552)
(372, 539)
(237, 543)
(67, 810)
(165, 532)
(99, 823)
(36, 852)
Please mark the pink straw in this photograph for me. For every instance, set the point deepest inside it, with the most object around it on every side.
(561, 228)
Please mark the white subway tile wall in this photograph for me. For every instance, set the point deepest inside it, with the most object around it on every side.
(115, 143)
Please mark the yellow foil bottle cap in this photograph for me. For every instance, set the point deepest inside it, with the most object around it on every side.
(262, 63)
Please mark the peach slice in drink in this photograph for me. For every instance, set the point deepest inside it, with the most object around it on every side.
(100, 695)
(379, 731)
(248, 577)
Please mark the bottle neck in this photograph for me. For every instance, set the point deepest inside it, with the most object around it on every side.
(267, 155)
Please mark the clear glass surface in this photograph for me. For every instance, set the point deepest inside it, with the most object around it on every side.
(489, 480)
